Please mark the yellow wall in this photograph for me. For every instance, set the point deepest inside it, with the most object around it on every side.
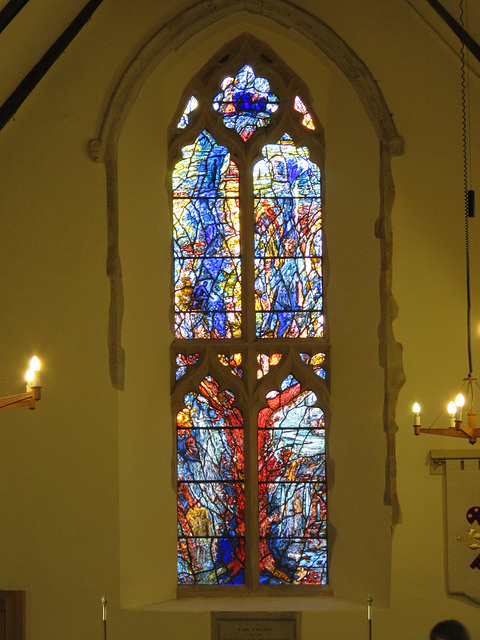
(87, 500)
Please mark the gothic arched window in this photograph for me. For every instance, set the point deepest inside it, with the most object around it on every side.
(250, 357)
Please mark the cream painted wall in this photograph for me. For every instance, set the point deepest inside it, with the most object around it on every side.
(86, 490)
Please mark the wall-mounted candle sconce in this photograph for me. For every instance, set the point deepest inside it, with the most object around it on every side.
(32, 394)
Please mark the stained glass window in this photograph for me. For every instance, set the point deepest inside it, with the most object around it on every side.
(206, 242)
(211, 500)
(251, 383)
(192, 104)
(234, 362)
(266, 362)
(292, 488)
(307, 120)
(246, 102)
(183, 362)
(316, 362)
(288, 243)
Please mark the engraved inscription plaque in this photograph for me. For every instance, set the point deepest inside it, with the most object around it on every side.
(255, 626)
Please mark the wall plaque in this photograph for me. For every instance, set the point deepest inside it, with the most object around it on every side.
(254, 626)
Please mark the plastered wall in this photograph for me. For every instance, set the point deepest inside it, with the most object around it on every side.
(87, 499)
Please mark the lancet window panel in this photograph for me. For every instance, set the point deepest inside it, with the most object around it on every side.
(250, 355)
(226, 473)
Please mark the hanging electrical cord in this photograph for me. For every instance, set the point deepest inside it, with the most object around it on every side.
(469, 195)
(458, 426)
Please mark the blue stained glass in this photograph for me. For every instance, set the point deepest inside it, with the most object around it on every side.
(207, 284)
(288, 284)
(316, 361)
(206, 242)
(246, 102)
(209, 454)
(288, 226)
(292, 488)
(234, 362)
(288, 242)
(302, 561)
(211, 325)
(210, 494)
(306, 447)
(213, 560)
(183, 362)
(294, 510)
(192, 104)
(287, 291)
(272, 324)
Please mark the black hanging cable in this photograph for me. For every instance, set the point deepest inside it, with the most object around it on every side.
(468, 195)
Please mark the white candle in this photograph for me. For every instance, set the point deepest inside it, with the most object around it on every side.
(452, 410)
(416, 412)
(29, 377)
(459, 402)
(35, 367)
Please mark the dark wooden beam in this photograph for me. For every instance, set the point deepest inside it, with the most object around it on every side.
(11, 105)
(457, 28)
(9, 11)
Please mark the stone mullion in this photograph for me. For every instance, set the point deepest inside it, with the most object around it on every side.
(248, 337)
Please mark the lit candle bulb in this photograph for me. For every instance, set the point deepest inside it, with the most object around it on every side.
(452, 410)
(459, 403)
(35, 365)
(29, 377)
(416, 413)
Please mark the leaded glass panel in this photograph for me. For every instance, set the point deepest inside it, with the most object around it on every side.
(206, 242)
(183, 362)
(192, 104)
(266, 362)
(282, 290)
(246, 102)
(316, 361)
(288, 243)
(292, 487)
(307, 120)
(211, 497)
(233, 362)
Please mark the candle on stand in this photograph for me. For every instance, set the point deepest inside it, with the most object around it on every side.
(369, 616)
(104, 616)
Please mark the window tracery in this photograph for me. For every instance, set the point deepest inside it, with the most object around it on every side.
(250, 355)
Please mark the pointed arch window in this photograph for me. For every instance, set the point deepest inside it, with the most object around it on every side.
(250, 355)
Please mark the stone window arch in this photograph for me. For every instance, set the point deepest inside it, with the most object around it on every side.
(139, 581)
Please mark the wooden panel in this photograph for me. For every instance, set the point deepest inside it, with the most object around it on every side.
(12, 615)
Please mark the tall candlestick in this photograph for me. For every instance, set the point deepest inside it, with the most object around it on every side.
(104, 616)
(369, 616)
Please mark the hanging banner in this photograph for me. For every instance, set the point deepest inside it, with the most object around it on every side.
(463, 527)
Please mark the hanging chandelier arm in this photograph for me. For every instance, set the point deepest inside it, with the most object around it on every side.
(455, 409)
